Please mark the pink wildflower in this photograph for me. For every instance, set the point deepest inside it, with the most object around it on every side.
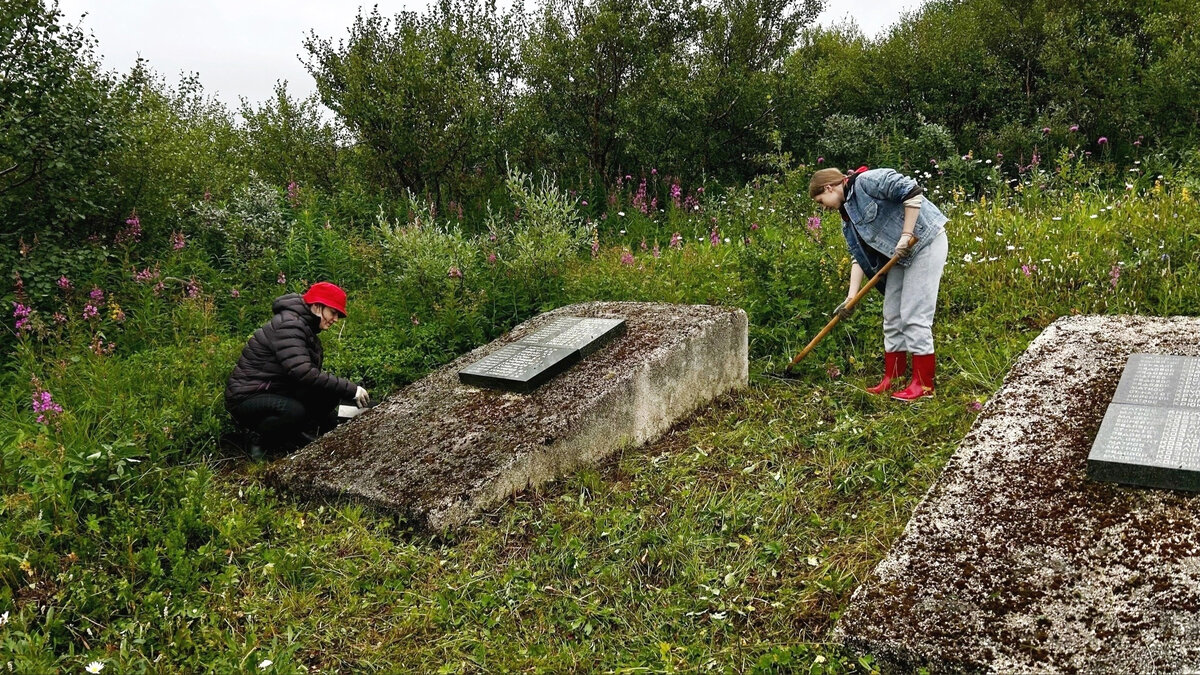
(281, 279)
(1074, 128)
(90, 311)
(626, 258)
(676, 241)
(676, 194)
(814, 224)
(43, 403)
(1103, 140)
(293, 193)
(714, 236)
(1045, 131)
(64, 283)
(235, 293)
(1114, 275)
(192, 288)
(21, 313)
(655, 251)
(177, 241)
(415, 321)
(753, 227)
(491, 258)
(643, 244)
(454, 272)
(132, 232)
(97, 295)
(60, 318)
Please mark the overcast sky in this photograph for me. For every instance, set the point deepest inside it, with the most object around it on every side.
(241, 47)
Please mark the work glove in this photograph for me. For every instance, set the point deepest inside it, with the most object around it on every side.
(904, 246)
(843, 311)
(362, 398)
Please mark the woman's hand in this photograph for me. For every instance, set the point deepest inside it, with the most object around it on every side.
(362, 398)
(904, 247)
(845, 310)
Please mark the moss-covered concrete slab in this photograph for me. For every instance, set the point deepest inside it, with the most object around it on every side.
(1015, 562)
(439, 451)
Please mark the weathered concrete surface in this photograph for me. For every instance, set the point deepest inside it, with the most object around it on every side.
(439, 451)
(1014, 562)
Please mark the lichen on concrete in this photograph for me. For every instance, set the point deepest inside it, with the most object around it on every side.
(439, 451)
(1015, 562)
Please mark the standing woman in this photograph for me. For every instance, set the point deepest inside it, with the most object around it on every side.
(885, 213)
(277, 390)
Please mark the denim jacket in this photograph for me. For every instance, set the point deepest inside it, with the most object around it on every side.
(875, 204)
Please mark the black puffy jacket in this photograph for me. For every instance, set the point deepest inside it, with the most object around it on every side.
(284, 357)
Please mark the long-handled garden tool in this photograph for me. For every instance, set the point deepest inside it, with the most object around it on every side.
(862, 292)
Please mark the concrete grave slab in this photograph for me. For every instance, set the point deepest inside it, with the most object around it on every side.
(1015, 562)
(440, 451)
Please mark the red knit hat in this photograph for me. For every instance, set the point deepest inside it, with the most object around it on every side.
(327, 294)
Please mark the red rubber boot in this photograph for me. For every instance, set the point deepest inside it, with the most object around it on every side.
(895, 366)
(922, 380)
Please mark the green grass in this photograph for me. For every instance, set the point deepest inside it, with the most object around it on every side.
(731, 544)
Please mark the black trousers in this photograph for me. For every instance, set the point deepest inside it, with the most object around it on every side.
(280, 420)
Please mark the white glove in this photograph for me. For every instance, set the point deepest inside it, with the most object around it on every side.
(361, 397)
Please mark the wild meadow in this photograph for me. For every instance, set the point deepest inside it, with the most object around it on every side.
(135, 535)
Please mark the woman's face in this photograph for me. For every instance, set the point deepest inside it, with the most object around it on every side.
(328, 316)
(831, 197)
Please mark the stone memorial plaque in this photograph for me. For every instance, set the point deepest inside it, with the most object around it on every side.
(526, 364)
(519, 366)
(582, 333)
(1150, 435)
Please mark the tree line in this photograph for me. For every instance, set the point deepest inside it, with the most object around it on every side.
(437, 103)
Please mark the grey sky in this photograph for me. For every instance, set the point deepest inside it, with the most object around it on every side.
(241, 47)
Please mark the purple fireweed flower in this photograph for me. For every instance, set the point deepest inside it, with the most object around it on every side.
(90, 311)
(753, 227)
(44, 405)
(655, 252)
(676, 241)
(491, 258)
(281, 279)
(999, 155)
(820, 160)
(1074, 128)
(64, 283)
(21, 313)
(59, 317)
(132, 232)
(192, 288)
(584, 202)
(235, 293)
(975, 406)
(1137, 143)
(814, 223)
(1025, 270)
(145, 275)
(177, 241)
(1103, 140)
(454, 272)
(1114, 275)
(1045, 131)
(714, 237)
(676, 194)
(643, 244)
(97, 295)
(626, 258)
(653, 172)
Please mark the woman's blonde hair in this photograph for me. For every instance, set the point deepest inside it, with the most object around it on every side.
(823, 177)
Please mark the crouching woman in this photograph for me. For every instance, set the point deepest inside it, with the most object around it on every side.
(885, 213)
(277, 390)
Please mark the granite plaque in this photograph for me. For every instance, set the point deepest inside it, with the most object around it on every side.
(526, 364)
(1150, 435)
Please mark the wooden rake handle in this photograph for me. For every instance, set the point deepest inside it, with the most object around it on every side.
(862, 292)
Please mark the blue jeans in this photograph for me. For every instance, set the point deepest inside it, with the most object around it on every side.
(911, 299)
